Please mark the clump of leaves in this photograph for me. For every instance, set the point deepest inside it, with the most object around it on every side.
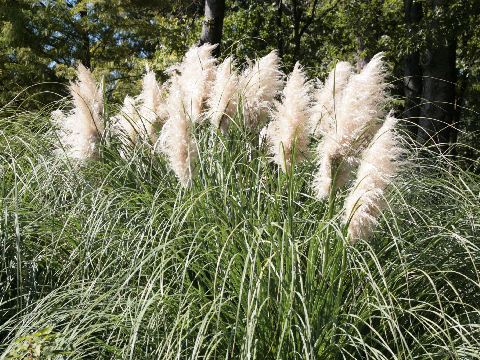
(39, 345)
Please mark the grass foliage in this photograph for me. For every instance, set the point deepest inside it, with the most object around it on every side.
(113, 259)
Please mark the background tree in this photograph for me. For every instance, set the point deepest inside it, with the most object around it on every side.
(413, 71)
(213, 23)
(41, 42)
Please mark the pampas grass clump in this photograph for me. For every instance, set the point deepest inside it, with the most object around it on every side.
(222, 102)
(378, 165)
(361, 106)
(81, 130)
(259, 84)
(289, 127)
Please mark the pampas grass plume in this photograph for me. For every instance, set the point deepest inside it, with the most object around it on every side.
(152, 110)
(378, 165)
(175, 139)
(259, 84)
(289, 127)
(222, 102)
(197, 70)
(82, 129)
(361, 106)
(327, 97)
(127, 122)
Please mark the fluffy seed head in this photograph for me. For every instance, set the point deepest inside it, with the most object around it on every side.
(222, 101)
(175, 139)
(357, 119)
(259, 84)
(197, 70)
(363, 104)
(328, 98)
(289, 127)
(378, 165)
(152, 110)
(81, 130)
(127, 121)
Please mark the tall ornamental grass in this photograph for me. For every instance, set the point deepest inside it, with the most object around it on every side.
(113, 258)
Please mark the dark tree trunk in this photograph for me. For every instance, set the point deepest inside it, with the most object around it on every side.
(460, 98)
(438, 90)
(297, 17)
(361, 61)
(412, 69)
(85, 56)
(438, 95)
(279, 28)
(213, 24)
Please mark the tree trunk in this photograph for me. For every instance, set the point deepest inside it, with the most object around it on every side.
(85, 56)
(438, 95)
(279, 28)
(296, 29)
(412, 69)
(438, 91)
(213, 24)
(361, 61)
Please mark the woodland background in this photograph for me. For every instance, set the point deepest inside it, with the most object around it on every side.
(432, 47)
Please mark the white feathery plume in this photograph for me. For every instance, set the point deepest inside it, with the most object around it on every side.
(152, 108)
(175, 139)
(127, 121)
(197, 70)
(222, 101)
(81, 130)
(259, 84)
(289, 127)
(378, 166)
(361, 106)
(328, 97)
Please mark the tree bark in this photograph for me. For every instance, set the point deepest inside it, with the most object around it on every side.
(438, 91)
(438, 95)
(412, 70)
(279, 28)
(213, 24)
(361, 61)
(296, 29)
(85, 56)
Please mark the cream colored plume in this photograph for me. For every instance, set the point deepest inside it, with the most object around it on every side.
(378, 166)
(222, 102)
(328, 98)
(82, 129)
(289, 127)
(357, 119)
(127, 122)
(152, 109)
(197, 70)
(175, 139)
(259, 84)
